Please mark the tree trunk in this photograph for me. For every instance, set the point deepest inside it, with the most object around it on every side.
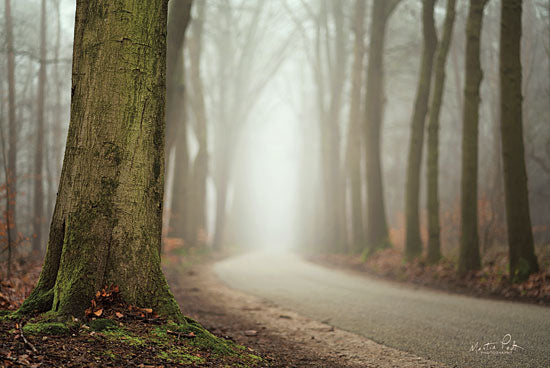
(413, 242)
(377, 227)
(434, 242)
(38, 208)
(221, 204)
(176, 119)
(200, 165)
(107, 221)
(12, 125)
(469, 258)
(354, 132)
(522, 258)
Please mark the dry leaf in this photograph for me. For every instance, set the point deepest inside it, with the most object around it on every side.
(98, 312)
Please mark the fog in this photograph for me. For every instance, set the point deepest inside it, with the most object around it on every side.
(274, 74)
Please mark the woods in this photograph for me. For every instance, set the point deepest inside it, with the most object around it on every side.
(407, 138)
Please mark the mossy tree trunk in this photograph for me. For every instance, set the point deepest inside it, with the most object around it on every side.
(469, 258)
(106, 225)
(357, 238)
(522, 258)
(38, 197)
(377, 227)
(413, 242)
(434, 242)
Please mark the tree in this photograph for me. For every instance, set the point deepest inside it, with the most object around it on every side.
(12, 122)
(377, 227)
(176, 119)
(106, 226)
(38, 199)
(354, 131)
(200, 164)
(522, 258)
(469, 258)
(413, 242)
(434, 243)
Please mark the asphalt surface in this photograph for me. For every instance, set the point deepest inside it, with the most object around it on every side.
(456, 330)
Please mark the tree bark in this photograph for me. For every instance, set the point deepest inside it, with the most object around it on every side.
(377, 227)
(522, 258)
(107, 221)
(38, 199)
(413, 242)
(434, 242)
(357, 238)
(469, 258)
(12, 125)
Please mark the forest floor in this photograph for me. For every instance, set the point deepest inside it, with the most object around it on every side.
(491, 281)
(112, 335)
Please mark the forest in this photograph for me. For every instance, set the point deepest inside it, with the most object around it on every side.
(214, 182)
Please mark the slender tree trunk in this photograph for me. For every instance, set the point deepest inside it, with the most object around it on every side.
(58, 123)
(377, 227)
(469, 258)
(38, 208)
(354, 132)
(413, 242)
(12, 124)
(7, 214)
(522, 258)
(434, 242)
(221, 205)
(176, 119)
(107, 220)
(200, 165)
(334, 172)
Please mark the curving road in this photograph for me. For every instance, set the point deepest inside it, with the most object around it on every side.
(430, 324)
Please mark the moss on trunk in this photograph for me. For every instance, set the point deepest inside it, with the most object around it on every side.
(106, 225)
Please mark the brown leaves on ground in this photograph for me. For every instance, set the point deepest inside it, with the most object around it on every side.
(14, 290)
(491, 281)
(108, 303)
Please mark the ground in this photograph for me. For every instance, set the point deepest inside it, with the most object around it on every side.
(282, 337)
(491, 281)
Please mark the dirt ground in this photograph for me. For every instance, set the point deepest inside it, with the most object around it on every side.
(283, 337)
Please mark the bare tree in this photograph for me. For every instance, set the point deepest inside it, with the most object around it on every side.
(469, 258)
(413, 242)
(434, 242)
(354, 131)
(522, 258)
(38, 208)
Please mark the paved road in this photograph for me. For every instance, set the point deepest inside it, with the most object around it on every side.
(430, 324)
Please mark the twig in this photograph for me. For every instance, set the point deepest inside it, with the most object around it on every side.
(12, 359)
(27, 341)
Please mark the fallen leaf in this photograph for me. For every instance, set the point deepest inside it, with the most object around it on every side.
(98, 312)
(119, 315)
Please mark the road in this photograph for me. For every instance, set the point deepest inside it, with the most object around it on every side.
(430, 324)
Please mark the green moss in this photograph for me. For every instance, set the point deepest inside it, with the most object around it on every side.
(103, 324)
(110, 354)
(126, 337)
(39, 301)
(46, 328)
(180, 356)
